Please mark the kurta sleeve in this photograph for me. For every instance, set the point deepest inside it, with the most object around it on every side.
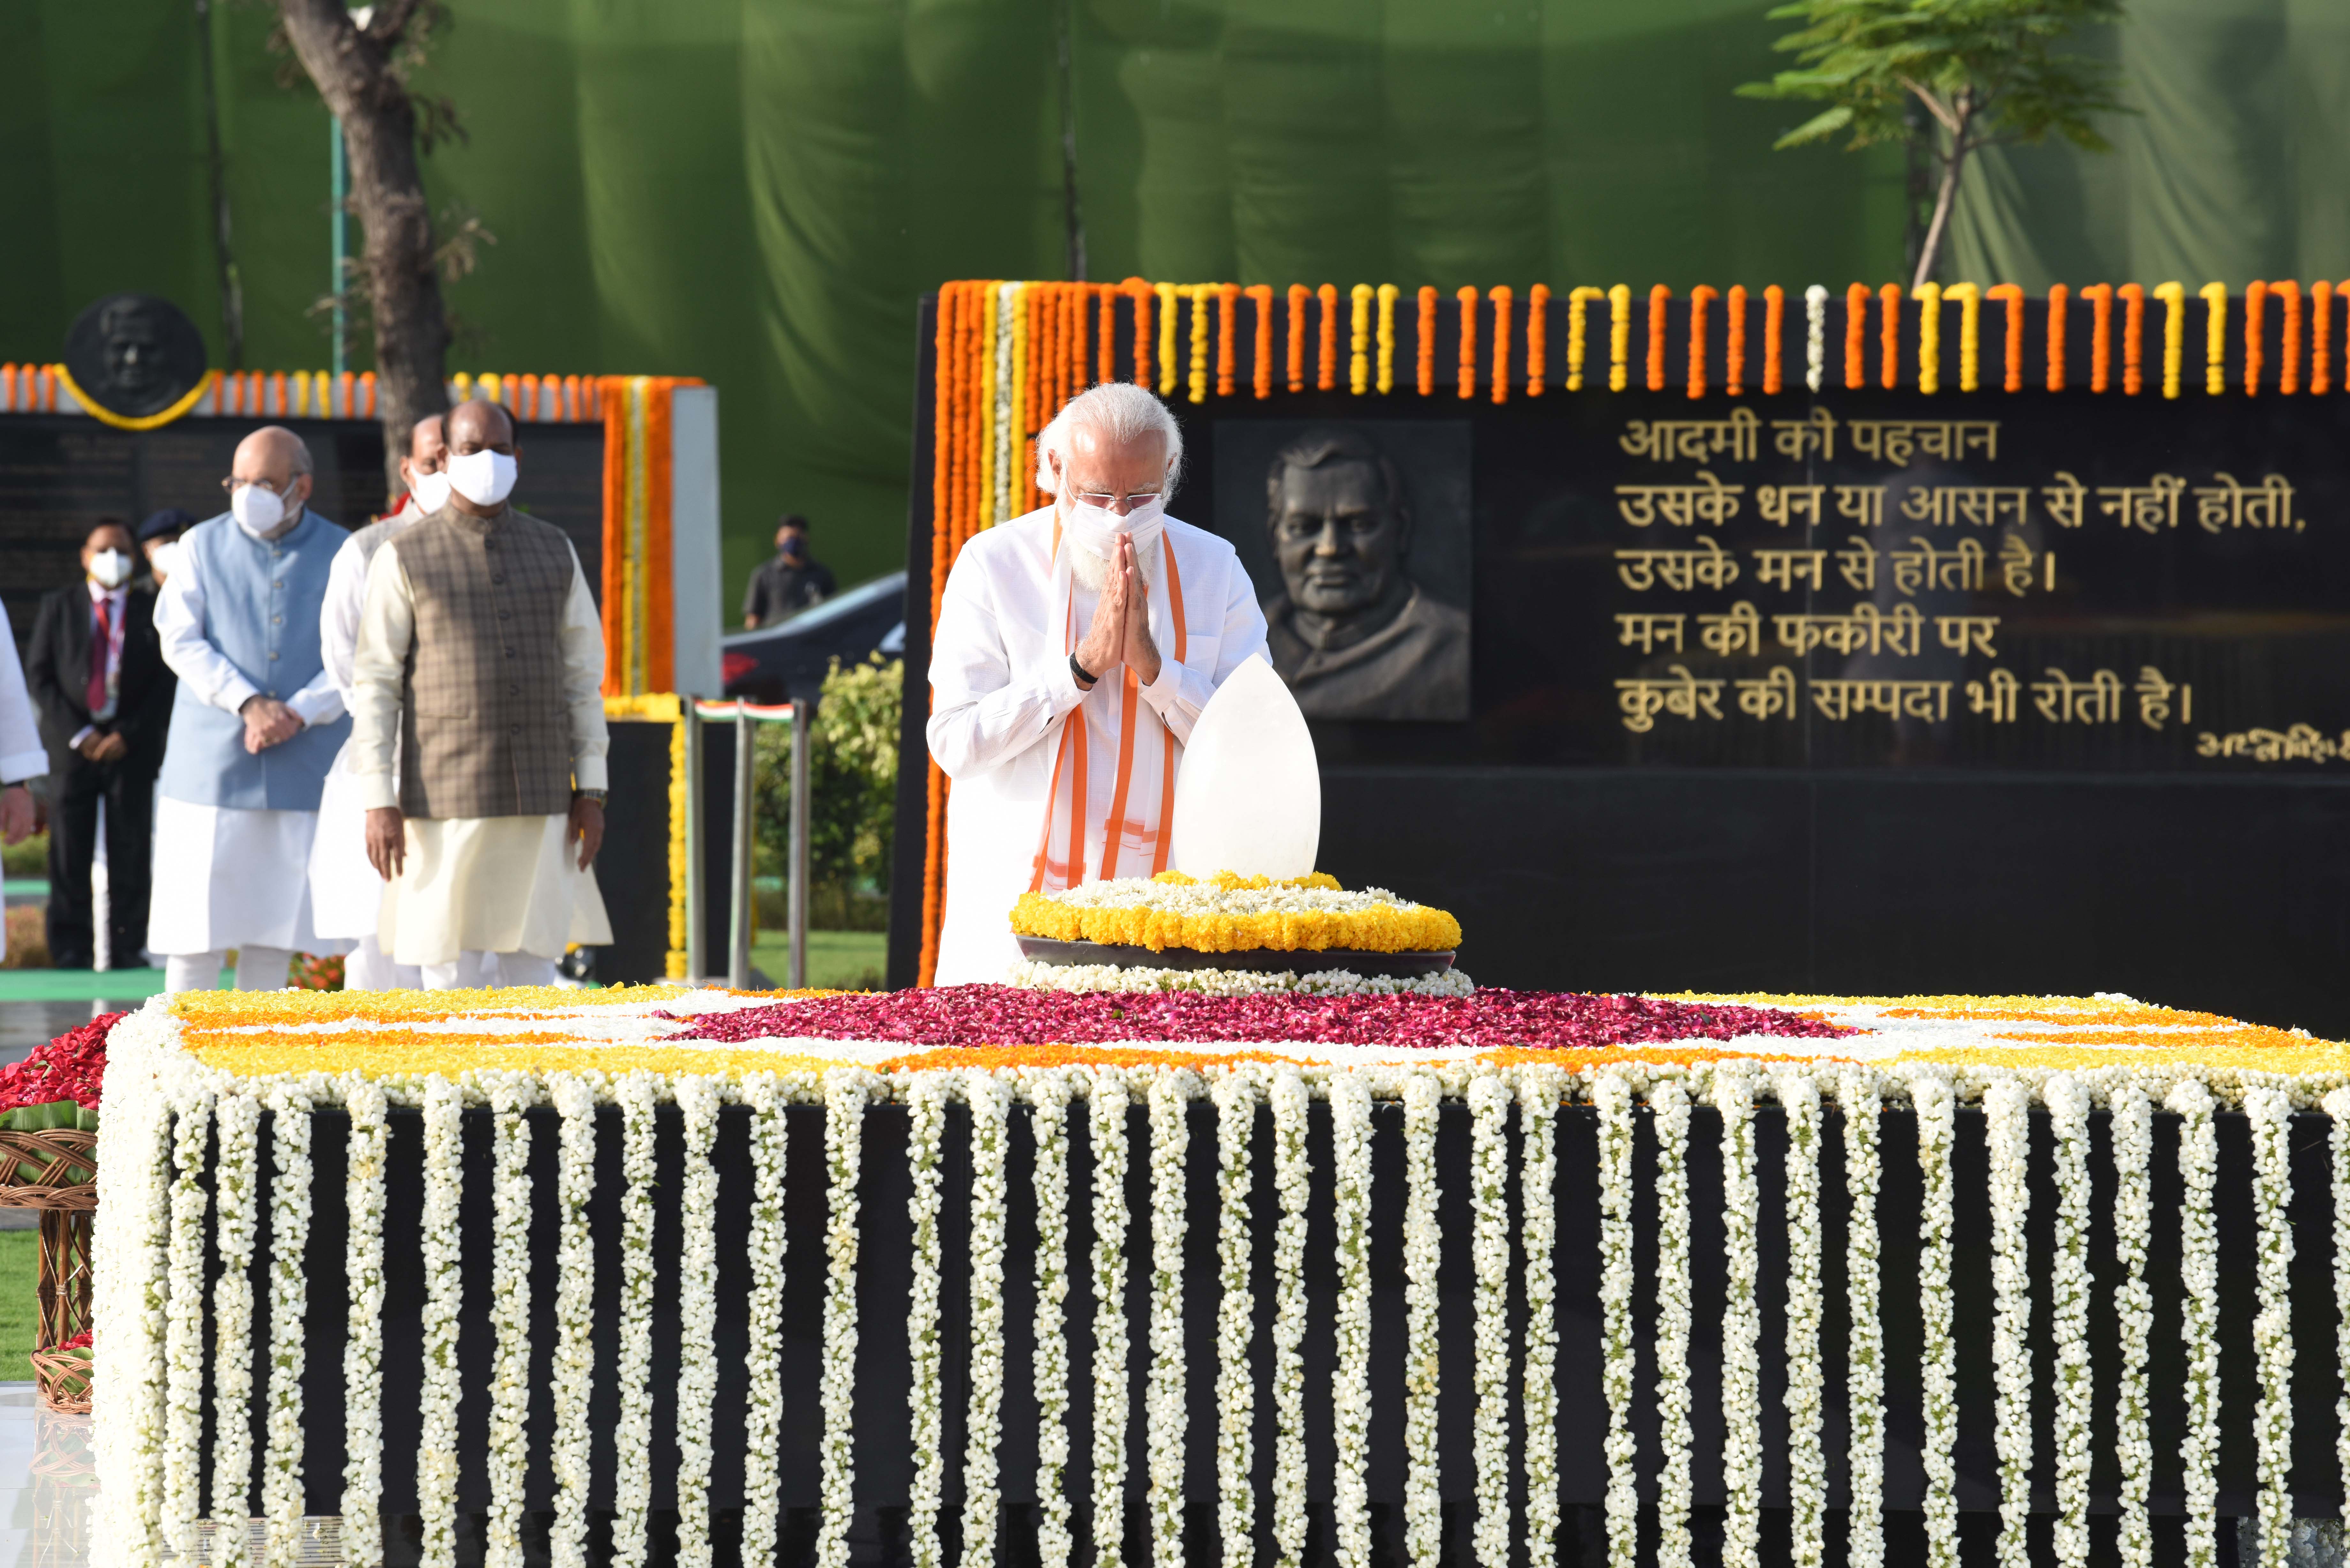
(202, 667)
(583, 682)
(1182, 690)
(22, 755)
(386, 629)
(983, 711)
(339, 617)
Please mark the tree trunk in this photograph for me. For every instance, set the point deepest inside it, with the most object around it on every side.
(352, 69)
(1945, 198)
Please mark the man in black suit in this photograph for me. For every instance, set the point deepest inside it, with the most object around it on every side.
(97, 678)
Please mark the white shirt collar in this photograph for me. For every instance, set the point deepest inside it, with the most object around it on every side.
(100, 591)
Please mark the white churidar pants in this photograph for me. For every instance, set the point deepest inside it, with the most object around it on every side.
(258, 967)
(473, 969)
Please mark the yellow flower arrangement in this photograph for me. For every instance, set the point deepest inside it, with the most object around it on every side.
(1215, 923)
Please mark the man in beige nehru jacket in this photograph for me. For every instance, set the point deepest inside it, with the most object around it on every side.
(479, 668)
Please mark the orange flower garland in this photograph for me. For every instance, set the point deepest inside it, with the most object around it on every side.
(1388, 293)
(2011, 297)
(1500, 296)
(1105, 338)
(1260, 378)
(1228, 297)
(2256, 298)
(2288, 295)
(1658, 296)
(1426, 365)
(1141, 293)
(1699, 298)
(1298, 295)
(2133, 297)
(1888, 299)
(1733, 341)
(1775, 324)
(1537, 337)
(2321, 347)
(1467, 296)
(1326, 375)
(1359, 358)
(2100, 296)
(1856, 336)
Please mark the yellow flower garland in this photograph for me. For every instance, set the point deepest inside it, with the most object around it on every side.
(1385, 928)
(2215, 338)
(2174, 334)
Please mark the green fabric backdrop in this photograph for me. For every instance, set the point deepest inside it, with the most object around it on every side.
(756, 191)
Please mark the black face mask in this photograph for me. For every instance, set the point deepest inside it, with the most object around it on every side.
(792, 550)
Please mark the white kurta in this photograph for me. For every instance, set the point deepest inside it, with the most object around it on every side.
(226, 876)
(1000, 688)
(346, 894)
(499, 884)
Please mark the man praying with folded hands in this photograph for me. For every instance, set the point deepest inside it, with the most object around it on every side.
(1075, 647)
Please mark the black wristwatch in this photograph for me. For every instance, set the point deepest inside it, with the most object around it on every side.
(1084, 676)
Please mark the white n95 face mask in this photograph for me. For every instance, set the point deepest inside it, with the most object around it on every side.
(431, 491)
(111, 567)
(256, 507)
(166, 558)
(483, 478)
(1095, 529)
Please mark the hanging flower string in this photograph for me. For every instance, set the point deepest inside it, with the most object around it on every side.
(1741, 1325)
(1350, 1389)
(2270, 1113)
(1489, 1265)
(1424, 1503)
(1106, 1124)
(1611, 1095)
(2007, 1129)
(1930, 1094)
(2069, 1288)
(1799, 1097)
(1292, 1176)
(2133, 1210)
(989, 1100)
(2198, 1270)
(1540, 1089)
(1235, 1100)
(1856, 1097)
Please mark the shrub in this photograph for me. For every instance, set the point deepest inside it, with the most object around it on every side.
(852, 789)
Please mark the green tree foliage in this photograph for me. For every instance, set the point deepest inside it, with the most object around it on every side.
(1986, 72)
(852, 789)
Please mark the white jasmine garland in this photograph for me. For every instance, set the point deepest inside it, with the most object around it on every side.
(2007, 1129)
(2132, 1141)
(573, 1369)
(183, 1333)
(1350, 1384)
(762, 1415)
(1234, 1095)
(1815, 336)
(235, 1181)
(633, 1484)
(2270, 1115)
(1798, 1098)
(1539, 1089)
(510, 1094)
(1048, 1096)
(1170, 1142)
(1929, 1093)
(1206, 898)
(2337, 1105)
(991, 1110)
(697, 1352)
(1669, 1104)
(1423, 1250)
(1612, 1093)
(365, 1151)
(1741, 1324)
(1105, 1130)
(846, 1092)
(445, 1284)
(1858, 1096)
(2069, 1286)
(289, 1305)
(1234, 982)
(2198, 1271)
(129, 1331)
(925, 1108)
(1489, 1261)
(1292, 1172)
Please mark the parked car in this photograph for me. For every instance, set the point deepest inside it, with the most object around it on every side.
(778, 662)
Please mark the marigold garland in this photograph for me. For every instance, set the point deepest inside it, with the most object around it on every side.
(1733, 340)
(1228, 297)
(1359, 340)
(1856, 336)
(1775, 327)
(1579, 303)
(1385, 929)
(1142, 295)
(2288, 295)
(1969, 299)
(2215, 337)
(2132, 298)
(1387, 295)
(1105, 337)
(2174, 334)
(1619, 338)
(2100, 296)
(1298, 295)
(1200, 292)
(1326, 377)
(1888, 298)
(2256, 298)
(1538, 338)
(1261, 369)
(1466, 297)
(1701, 296)
(1928, 296)
(1500, 296)
(1425, 363)
(2012, 298)
(2321, 345)
(1660, 297)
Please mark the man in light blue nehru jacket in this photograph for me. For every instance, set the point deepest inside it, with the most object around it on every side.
(258, 724)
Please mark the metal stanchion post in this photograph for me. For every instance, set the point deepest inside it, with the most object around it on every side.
(738, 962)
(798, 919)
(697, 914)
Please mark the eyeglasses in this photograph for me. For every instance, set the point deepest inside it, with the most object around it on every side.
(229, 486)
(1108, 500)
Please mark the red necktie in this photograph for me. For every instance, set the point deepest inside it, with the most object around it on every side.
(98, 641)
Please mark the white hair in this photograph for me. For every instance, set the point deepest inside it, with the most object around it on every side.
(1117, 412)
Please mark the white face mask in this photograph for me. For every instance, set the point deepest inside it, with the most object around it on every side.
(431, 491)
(1095, 529)
(112, 568)
(166, 558)
(256, 507)
(483, 478)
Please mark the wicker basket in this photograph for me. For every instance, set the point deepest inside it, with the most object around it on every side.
(67, 1206)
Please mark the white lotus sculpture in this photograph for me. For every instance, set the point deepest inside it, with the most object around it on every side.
(1248, 799)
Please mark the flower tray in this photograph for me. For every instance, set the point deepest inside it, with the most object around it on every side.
(1258, 960)
(53, 1170)
(64, 1378)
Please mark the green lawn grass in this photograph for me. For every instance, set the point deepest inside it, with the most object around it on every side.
(846, 960)
(20, 1274)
